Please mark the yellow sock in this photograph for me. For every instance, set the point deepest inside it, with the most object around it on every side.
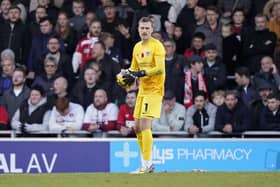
(140, 143)
(147, 143)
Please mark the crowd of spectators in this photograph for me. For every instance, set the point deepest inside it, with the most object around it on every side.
(59, 60)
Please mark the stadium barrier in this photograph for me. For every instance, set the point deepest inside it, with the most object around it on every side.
(61, 155)
(157, 134)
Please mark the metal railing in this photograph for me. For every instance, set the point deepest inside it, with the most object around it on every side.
(117, 134)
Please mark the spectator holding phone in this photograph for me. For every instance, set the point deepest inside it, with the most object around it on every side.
(268, 73)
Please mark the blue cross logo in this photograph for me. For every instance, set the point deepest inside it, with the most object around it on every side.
(126, 154)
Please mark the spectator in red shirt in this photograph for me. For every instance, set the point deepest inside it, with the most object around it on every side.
(197, 46)
(3, 119)
(84, 48)
(125, 120)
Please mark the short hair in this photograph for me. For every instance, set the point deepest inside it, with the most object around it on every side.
(232, 92)
(104, 35)
(200, 93)
(132, 91)
(170, 40)
(238, 10)
(218, 93)
(90, 68)
(54, 36)
(92, 63)
(267, 56)
(273, 96)
(50, 59)
(91, 11)
(102, 44)
(157, 32)
(199, 35)
(103, 91)
(243, 71)
(62, 103)
(145, 20)
(260, 15)
(46, 18)
(228, 25)
(14, 7)
(8, 53)
(96, 21)
(22, 69)
(79, 2)
(38, 88)
(40, 6)
(214, 9)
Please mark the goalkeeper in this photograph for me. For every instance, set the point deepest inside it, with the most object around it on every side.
(147, 65)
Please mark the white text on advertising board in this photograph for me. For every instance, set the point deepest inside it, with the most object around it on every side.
(8, 163)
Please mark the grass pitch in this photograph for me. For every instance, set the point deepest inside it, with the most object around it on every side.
(188, 179)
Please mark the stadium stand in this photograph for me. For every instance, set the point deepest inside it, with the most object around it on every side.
(205, 41)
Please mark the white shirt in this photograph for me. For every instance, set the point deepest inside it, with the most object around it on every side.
(95, 116)
(74, 118)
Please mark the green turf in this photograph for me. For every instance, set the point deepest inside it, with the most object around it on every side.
(188, 179)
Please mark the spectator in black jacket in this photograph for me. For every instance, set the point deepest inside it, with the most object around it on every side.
(68, 34)
(114, 53)
(259, 43)
(174, 70)
(52, 11)
(114, 25)
(214, 69)
(4, 8)
(228, 6)
(233, 115)
(87, 87)
(245, 87)
(14, 96)
(13, 35)
(64, 66)
(48, 76)
(109, 70)
(268, 73)
(239, 25)
(34, 27)
(258, 105)
(187, 13)
(32, 115)
(270, 117)
(39, 44)
(231, 49)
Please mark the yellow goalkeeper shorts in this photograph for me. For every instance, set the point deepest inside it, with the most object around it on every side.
(148, 106)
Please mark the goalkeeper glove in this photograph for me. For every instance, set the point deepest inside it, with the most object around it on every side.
(125, 79)
(140, 73)
(128, 79)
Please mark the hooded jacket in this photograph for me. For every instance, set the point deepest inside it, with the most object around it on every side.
(34, 117)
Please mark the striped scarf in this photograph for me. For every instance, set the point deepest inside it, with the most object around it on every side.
(188, 96)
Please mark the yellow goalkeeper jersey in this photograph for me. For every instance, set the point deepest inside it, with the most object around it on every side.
(150, 56)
